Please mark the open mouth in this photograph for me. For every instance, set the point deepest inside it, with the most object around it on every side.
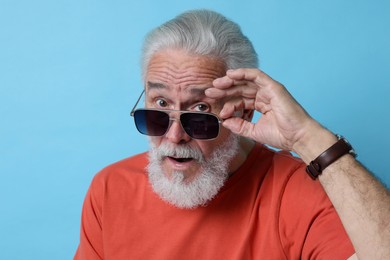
(180, 160)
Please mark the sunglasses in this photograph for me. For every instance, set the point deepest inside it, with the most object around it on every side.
(156, 122)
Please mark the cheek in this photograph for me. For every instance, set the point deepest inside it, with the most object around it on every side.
(155, 140)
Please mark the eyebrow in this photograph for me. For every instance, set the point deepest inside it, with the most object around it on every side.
(154, 85)
(198, 92)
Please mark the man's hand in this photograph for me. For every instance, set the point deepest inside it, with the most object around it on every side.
(284, 123)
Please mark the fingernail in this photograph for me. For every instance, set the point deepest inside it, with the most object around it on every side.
(222, 114)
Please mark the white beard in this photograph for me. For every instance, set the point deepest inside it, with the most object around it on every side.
(203, 188)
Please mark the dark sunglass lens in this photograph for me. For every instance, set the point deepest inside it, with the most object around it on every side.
(200, 126)
(151, 122)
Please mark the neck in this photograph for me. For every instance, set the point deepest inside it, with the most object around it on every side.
(245, 147)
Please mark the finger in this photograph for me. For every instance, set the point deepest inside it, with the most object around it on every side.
(215, 93)
(241, 77)
(236, 107)
(238, 77)
(250, 74)
(223, 82)
(247, 91)
(239, 126)
(226, 82)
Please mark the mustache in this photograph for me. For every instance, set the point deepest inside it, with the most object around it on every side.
(178, 151)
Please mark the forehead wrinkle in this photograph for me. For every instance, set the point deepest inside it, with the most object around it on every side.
(183, 73)
(193, 76)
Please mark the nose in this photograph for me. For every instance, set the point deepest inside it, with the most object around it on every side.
(176, 133)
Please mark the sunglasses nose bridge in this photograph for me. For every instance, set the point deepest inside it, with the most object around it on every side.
(172, 120)
(175, 116)
(176, 133)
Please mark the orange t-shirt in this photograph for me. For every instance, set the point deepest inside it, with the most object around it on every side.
(269, 209)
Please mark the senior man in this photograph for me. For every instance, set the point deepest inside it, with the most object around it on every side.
(209, 188)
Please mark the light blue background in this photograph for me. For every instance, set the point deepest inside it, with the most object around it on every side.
(69, 76)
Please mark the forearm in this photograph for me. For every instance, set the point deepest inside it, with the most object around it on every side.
(360, 200)
(363, 205)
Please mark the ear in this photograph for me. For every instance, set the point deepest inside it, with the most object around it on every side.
(248, 114)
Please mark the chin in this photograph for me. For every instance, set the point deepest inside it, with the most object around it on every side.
(177, 182)
(188, 175)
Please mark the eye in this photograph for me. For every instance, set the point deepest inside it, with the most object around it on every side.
(161, 103)
(201, 107)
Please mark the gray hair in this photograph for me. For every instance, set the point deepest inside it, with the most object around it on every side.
(202, 32)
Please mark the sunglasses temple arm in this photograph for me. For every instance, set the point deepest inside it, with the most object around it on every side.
(136, 103)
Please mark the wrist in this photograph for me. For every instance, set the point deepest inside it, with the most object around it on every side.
(313, 142)
(329, 156)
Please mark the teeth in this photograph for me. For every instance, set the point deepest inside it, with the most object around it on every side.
(181, 159)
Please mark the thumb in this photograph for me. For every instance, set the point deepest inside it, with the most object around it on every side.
(239, 126)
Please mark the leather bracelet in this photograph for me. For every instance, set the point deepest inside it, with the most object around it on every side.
(333, 153)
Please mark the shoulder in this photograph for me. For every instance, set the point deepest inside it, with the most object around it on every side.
(284, 161)
(307, 221)
(134, 165)
(283, 166)
(124, 173)
(296, 188)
